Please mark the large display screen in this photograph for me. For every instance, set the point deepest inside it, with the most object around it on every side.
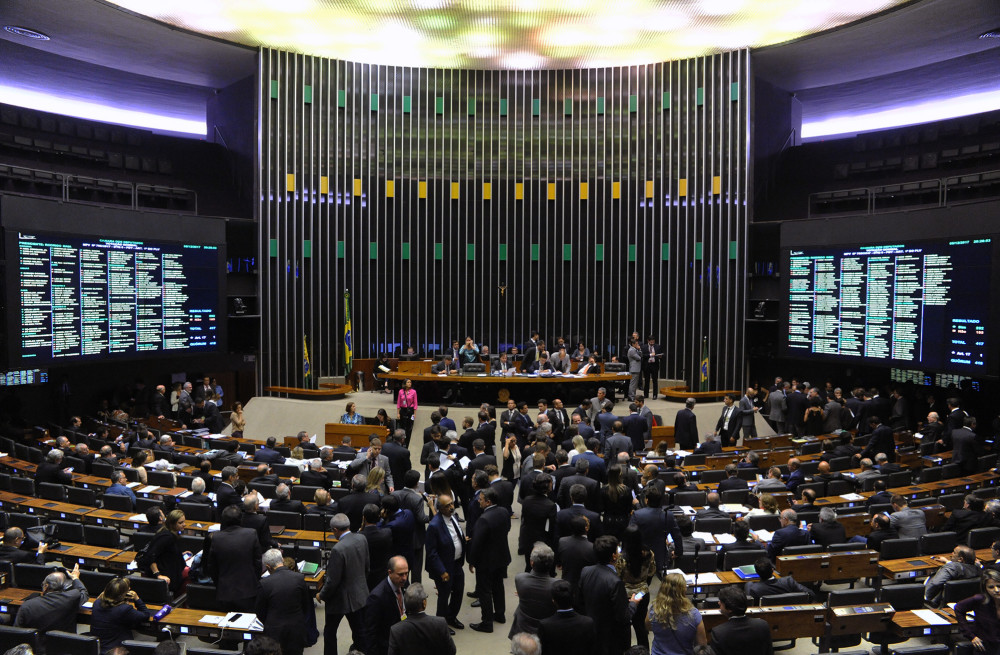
(921, 304)
(88, 298)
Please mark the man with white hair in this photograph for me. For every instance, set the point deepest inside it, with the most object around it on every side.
(345, 588)
(197, 493)
(282, 604)
(315, 475)
(282, 501)
(525, 643)
(420, 634)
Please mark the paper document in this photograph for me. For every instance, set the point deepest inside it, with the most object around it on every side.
(139, 518)
(446, 463)
(852, 496)
(766, 535)
(185, 494)
(133, 485)
(265, 504)
(931, 617)
(239, 621)
(703, 578)
(704, 536)
(213, 620)
(725, 538)
(464, 462)
(149, 489)
(687, 509)
(733, 508)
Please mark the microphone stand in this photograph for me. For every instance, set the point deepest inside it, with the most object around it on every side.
(697, 549)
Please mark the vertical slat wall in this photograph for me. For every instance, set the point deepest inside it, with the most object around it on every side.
(471, 181)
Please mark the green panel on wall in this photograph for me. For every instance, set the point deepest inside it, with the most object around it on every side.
(470, 252)
(307, 248)
(438, 251)
(631, 252)
(503, 106)
(341, 98)
(341, 250)
(372, 250)
(274, 247)
(407, 104)
(599, 252)
(405, 249)
(374, 102)
(472, 106)
(733, 249)
(536, 107)
(307, 94)
(665, 252)
(439, 105)
(699, 96)
(274, 89)
(568, 106)
(600, 105)
(734, 91)
(698, 250)
(633, 103)
(666, 99)
(502, 252)
(534, 252)
(567, 252)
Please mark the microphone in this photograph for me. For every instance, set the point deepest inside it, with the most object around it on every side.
(697, 549)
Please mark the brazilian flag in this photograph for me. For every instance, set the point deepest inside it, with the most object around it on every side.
(306, 366)
(704, 364)
(348, 346)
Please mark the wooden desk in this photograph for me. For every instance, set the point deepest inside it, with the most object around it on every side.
(662, 433)
(786, 622)
(52, 508)
(359, 434)
(824, 567)
(503, 385)
(909, 567)
(71, 554)
(907, 624)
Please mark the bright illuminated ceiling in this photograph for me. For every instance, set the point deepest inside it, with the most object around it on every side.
(518, 34)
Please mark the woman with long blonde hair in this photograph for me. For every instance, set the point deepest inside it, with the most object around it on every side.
(675, 623)
(375, 479)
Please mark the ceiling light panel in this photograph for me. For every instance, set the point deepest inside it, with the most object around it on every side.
(510, 34)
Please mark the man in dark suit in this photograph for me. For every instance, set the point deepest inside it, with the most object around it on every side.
(575, 552)
(578, 495)
(652, 354)
(598, 467)
(795, 410)
(323, 505)
(712, 511)
(398, 454)
(711, 446)
(566, 632)
(447, 366)
(654, 526)
(254, 520)
(316, 475)
(604, 422)
(57, 607)
(53, 470)
(379, 542)
(768, 585)
(480, 459)
(384, 606)
(538, 518)
(507, 418)
(602, 598)
(732, 482)
(353, 504)
(881, 441)
(728, 425)
(283, 502)
(10, 550)
(739, 635)
(503, 488)
(741, 530)
(489, 556)
(419, 634)
(560, 419)
(534, 591)
(531, 349)
(265, 476)
(617, 443)
(828, 530)
(232, 559)
(880, 497)
(445, 548)
(970, 516)
(788, 535)
(747, 417)
(686, 426)
(487, 431)
(635, 428)
(345, 587)
(268, 454)
(963, 444)
(413, 500)
(283, 603)
(225, 494)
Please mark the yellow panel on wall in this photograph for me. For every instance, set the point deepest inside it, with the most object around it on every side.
(357, 187)
(422, 190)
(454, 190)
(682, 188)
(552, 190)
(324, 185)
(519, 191)
(649, 188)
(584, 191)
(616, 190)
(390, 189)
(716, 185)
(290, 182)
(487, 191)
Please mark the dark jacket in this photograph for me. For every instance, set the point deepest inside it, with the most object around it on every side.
(379, 542)
(232, 559)
(113, 625)
(55, 610)
(282, 604)
(742, 635)
(567, 633)
(381, 613)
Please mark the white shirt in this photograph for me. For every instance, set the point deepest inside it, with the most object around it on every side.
(456, 534)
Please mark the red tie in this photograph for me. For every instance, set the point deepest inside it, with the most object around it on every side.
(399, 601)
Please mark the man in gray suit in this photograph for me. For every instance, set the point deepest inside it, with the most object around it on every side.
(371, 458)
(561, 361)
(345, 589)
(909, 523)
(634, 368)
(534, 591)
(746, 416)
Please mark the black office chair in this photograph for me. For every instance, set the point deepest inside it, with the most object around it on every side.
(304, 493)
(841, 463)
(818, 487)
(135, 647)
(286, 471)
(711, 477)
(105, 537)
(197, 511)
(949, 471)
(735, 497)
(95, 581)
(291, 520)
(951, 502)
(770, 522)
(30, 576)
(793, 598)
(152, 591)
(308, 553)
(846, 598)
(51, 491)
(899, 548)
(316, 522)
(70, 643)
(714, 525)
(844, 547)
(690, 498)
(264, 489)
(68, 531)
(101, 469)
(902, 597)
(695, 460)
(748, 474)
(23, 521)
(930, 649)
(935, 543)
(22, 486)
(185, 481)
(11, 637)
(161, 478)
(982, 537)
(899, 479)
(81, 496)
(811, 448)
(202, 597)
(931, 474)
(735, 558)
(804, 549)
(705, 561)
(956, 590)
(117, 503)
(839, 487)
(142, 504)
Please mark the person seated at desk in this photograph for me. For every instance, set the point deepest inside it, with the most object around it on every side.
(749, 461)
(197, 493)
(829, 530)
(265, 476)
(108, 457)
(316, 475)
(772, 482)
(446, 366)
(268, 454)
(305, 443)
(741, 530)
(323, 505)
(788, 535)
(691, 543)
(113, 617)
(984, 629)
(884, 466)
(712, 511)
(808, 503)
(56, 609)
(590, 367)
(165, 445)
(880, 497)
(844, 448)
(881, 530)
(711, 446)
(351, 415)
(51, 470)
(739, 635)
(768, 585)
(823, 474)
(118, 487)
(681, 485)
(768, 505)
(11, 551)
(960, 565)
(345, 447)
(909, 522)
(282, 501)
(795, 474)
(540, 365)
(970, 516)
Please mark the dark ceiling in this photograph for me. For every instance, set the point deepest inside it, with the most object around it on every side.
(928, 49)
